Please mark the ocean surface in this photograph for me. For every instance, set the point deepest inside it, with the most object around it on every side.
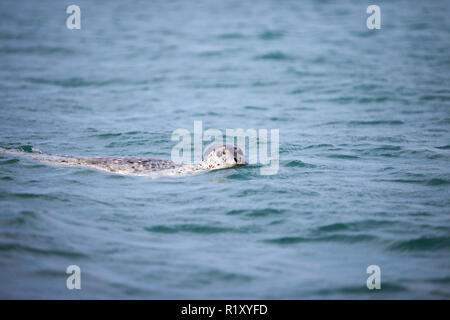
(364, 176)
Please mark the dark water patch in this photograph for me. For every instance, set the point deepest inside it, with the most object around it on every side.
(374, 110)
(256, 212)
(334, 227)
(189, 228)
(238, 176)
(132, 133)
(287, 240)
(276, 56)
(412, 112)
(221, 85)
(446, 147)
(50, 273)
(420, 214)
(384, 151)
(127, 143)
(10, 161)
(426, 182)
(255, 108)
(210, 53)
(372, 100)
(28, 195)
(19, 219)
(355, 226)
(418, 26)
(227, 36)
(7, 178)
(35, 50)
(304, 109)
(297, 91)
(236, 212)
(76, 82)
(387, 148)
(264, 84)
(435, 98)
(281, 119)
(16, 35)
(7, 247)
(276, 222)
(376, 123)
(366, 87)
(319, 146)
(332, 238)
(437, 182)
(445, 280)
(343, 156)
(203, 114)
(271, 35)
(263, 212)
(106, 135)
(299, 164)
(422, 244)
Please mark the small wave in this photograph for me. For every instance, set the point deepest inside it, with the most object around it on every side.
(191, 228)
(26, 195)
(435, 98)
(230, 36)
(426, 182)
(106, 135)
(255, 108)
(264, 84)
(361, 100)
(47, 252)
(375, 123)
(297, 91)
(343, 156)
(256, 212)
(387, 148)
(76, 82)
(299, 164)
(214, 275)
(35, 50)
(10, 161)
(210, 53)
(422, 244)
(238, 176)
(271, 35)
(331, 238)
(437, 182)
(318, 146)
(354, 226)
(440, 280)
(276, 55)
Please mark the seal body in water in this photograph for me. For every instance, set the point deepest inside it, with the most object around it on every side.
(217, 156)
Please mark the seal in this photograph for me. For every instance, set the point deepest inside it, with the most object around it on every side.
(216, 156)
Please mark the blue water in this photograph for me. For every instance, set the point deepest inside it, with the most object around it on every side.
(364, 177)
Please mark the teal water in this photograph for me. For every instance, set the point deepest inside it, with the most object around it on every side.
(364, 178)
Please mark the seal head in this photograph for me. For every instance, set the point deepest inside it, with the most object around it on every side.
(219, 156)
